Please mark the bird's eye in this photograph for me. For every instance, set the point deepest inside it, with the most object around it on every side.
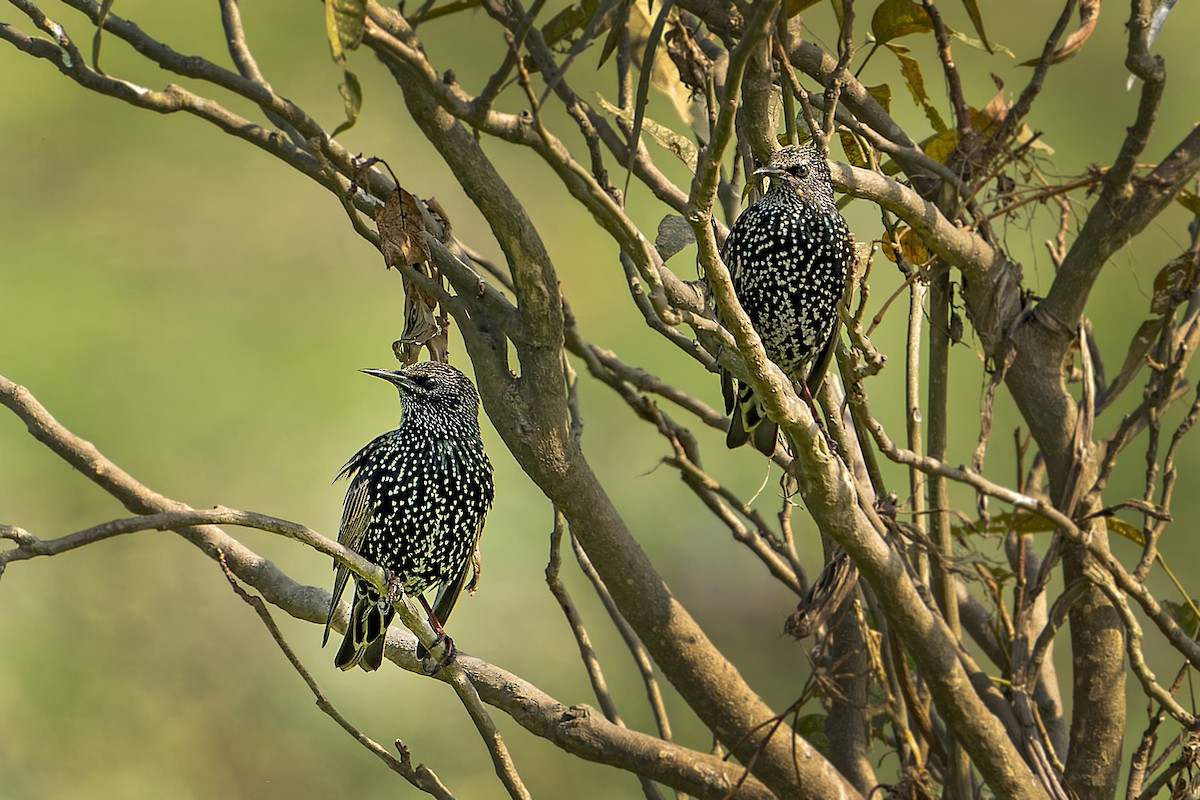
(427, 382)
(799, 170)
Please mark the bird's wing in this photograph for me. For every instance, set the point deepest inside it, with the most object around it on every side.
(355, 519)
(449, 593)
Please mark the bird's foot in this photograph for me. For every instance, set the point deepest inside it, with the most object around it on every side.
(395, 584)
(829, 442)
(449, 652)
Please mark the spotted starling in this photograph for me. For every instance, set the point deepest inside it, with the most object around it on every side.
(787, 254)
(417, 500)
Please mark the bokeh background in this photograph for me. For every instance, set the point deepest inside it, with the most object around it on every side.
(198, 311)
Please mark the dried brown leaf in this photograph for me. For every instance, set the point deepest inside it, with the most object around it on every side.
(688, 58)
(402, 230)
(402, 235)
(1089, 14)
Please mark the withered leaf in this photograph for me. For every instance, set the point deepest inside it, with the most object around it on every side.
(1089, 13)
(674, 234)
(402, 235)
(689, 59)
(402, 230)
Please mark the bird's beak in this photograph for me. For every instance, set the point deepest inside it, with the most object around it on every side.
(392, 376)
(768, 171)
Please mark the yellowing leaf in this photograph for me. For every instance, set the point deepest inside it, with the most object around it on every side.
(344, 25)
(895, 18)
(1189, 200)
(940, 146)
(909, 245)
(915, 81)
(1122, 528)
(883, 95)
(855, 150)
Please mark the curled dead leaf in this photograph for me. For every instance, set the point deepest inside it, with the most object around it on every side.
(1089, 14)
(402, 240)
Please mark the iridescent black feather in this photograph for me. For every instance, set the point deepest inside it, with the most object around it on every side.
(788, 255)
(416, 504)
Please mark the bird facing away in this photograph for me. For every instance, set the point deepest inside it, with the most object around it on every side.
(788, 255)
(416, 504)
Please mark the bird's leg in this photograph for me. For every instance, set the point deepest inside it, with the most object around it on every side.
(808, 398)
(395, 586)
(449, 651)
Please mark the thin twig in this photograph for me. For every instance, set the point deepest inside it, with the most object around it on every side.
(420, 776)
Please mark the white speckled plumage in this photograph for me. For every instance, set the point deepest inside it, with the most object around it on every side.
(416, 504)
(788, 255)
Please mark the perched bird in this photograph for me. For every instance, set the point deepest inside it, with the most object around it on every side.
(416, 504)
(788, 255)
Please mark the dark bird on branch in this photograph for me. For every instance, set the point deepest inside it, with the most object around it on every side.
(788, 255)
(416, 504)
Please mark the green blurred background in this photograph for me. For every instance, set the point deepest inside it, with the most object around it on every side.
(198, 311)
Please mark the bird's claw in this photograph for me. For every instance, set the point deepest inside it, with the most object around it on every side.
(395, 584)
(449, 652)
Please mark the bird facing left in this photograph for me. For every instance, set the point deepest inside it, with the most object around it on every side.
(416, 505)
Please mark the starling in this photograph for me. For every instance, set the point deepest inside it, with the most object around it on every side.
(788, 255)
(417, 500)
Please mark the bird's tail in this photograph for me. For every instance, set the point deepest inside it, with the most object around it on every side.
(366, 631)
(747, 417)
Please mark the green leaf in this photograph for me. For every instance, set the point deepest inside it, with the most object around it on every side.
(977, 20)
(1135, 357)
(344, 21)
(794, 7)
(105, 7)
(915, 81)
(896, 18)
(351, 92)
(643, 87)
(812, 728)
(565, 24)
(991, 47)
(1017, 521)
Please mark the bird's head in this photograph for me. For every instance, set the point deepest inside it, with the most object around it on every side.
(431, 390)
(799, 170)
